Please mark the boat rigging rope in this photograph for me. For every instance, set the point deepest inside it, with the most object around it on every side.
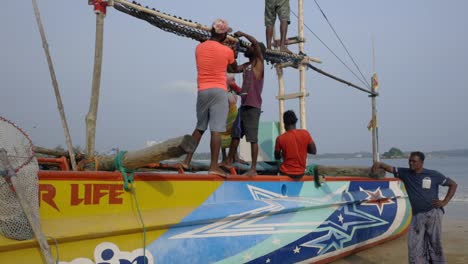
(344, 46)
(332, 52)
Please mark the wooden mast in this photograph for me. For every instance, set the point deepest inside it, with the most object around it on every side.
(91, 117)
(301, 95)
(279, 73)
(302, 79)
(55, 85)
(374, 86)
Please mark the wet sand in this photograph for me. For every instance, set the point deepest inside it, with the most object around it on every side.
(455, 243)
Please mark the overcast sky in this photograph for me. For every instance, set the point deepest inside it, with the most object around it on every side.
(148, 88)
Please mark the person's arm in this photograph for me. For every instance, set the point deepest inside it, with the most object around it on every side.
(277, 150)
(252, 40)
(277, 155)
(452, 185)
(258, 64)
(380, 165)
(235, 68)
(233, 85)
(311, 148)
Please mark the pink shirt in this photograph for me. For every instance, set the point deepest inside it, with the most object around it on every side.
(212, 60)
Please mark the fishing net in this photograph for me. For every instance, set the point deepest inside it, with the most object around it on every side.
(19, 199)
(18, 157)
(159, 19)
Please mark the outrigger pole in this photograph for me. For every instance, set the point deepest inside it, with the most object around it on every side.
(55, 85)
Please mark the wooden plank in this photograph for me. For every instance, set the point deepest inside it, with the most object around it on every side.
(292, 96)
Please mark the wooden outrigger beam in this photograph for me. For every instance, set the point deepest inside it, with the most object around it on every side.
(172, 148)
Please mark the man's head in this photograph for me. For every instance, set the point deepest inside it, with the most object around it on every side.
(219, 29)
(252, 52)
(289, 119)
(416, 161)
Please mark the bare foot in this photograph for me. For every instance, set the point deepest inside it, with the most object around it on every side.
(182, 165)
(241, 161)
(276, 43)
(250, 173)
(285, 49)
(217, 171)
(225, 165)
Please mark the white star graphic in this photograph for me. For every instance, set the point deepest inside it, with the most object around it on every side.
(276, 241)
(297, 250)
(255, 221)
(268, 260)
(341, 218)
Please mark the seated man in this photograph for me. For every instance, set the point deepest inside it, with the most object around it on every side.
(293, 146)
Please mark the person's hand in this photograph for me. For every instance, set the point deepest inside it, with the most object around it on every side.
(375, 167)
(238, 34)
(233, 46)
(438, 203)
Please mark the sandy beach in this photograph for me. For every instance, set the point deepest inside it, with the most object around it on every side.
(455, 239)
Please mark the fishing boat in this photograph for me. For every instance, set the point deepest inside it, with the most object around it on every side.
(174, 216)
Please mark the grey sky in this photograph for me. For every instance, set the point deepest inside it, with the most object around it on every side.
(148, 87)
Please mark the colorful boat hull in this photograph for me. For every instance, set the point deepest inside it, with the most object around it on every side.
(196, 218)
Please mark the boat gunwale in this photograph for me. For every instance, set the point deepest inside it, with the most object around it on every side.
(157, 176)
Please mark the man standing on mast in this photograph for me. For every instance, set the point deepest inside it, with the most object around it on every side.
(280, 8)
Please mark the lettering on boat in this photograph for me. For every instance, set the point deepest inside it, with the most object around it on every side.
(96, 193)
(83, 194)
(47, 194)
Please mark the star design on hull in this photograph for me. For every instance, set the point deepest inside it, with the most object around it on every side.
(376, 198)
(250, 222)
(336, 233)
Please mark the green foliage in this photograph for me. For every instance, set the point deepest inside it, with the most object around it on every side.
(59, 148)
(393, 153)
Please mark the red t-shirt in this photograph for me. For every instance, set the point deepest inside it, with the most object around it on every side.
(212, 59)
(293, 146)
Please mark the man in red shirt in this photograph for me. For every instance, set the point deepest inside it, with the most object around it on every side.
(293, 146)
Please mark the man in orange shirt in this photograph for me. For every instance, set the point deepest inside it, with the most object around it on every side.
(213, 59)
(293, 146)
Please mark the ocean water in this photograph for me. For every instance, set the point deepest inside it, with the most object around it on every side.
(454, 167)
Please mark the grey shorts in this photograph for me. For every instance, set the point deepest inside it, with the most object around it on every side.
(276, 7)
(212, 109)
(247, 124)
